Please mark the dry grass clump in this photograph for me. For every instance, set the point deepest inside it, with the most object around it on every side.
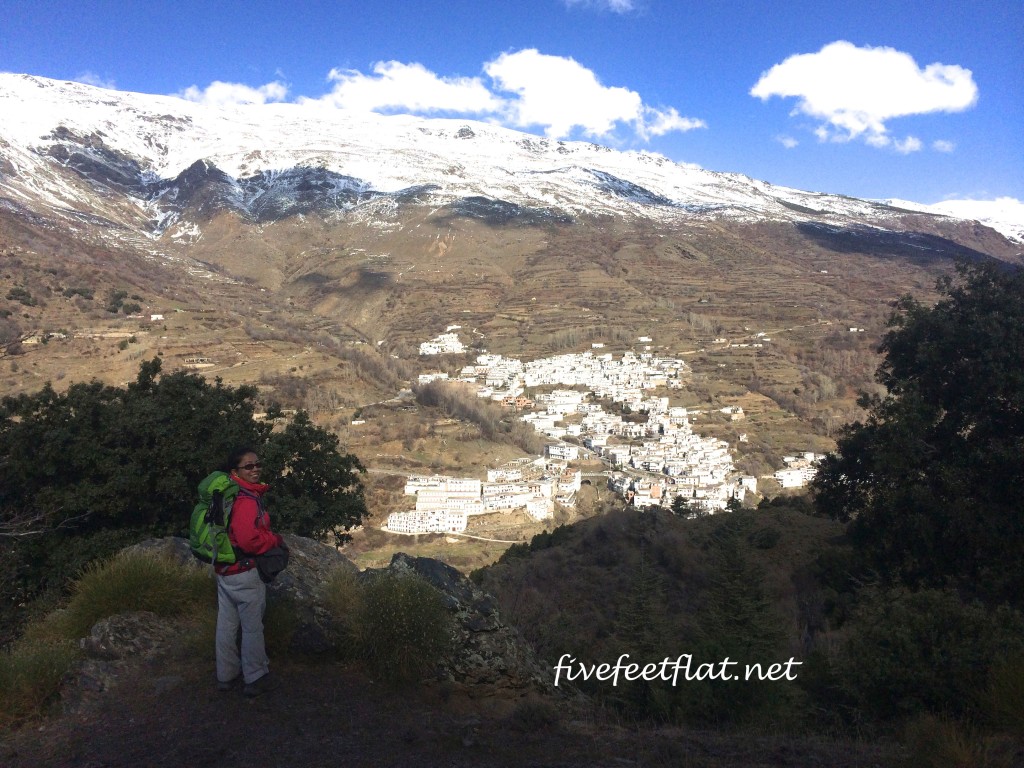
(31, 670)
(30, 675)
(135, 582)
(933, 741)
(398, 625)
(1005, 696)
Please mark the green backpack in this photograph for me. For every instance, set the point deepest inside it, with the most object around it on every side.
(208, 529)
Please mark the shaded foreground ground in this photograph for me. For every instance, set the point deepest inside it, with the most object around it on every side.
(328, 715)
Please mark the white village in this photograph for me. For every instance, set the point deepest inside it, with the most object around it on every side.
(658, 460)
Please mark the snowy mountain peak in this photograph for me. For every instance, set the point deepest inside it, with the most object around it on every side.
(61, 142)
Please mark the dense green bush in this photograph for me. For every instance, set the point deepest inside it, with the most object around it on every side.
(85, 293)
(115, 300)
(654, 585)
(21, 295)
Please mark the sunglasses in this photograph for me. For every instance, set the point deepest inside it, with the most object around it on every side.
(251, 466)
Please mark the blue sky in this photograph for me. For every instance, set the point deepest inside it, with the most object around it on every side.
(916, 100)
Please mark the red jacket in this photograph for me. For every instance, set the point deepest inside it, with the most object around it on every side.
(249, 530)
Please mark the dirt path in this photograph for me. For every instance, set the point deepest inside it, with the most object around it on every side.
(329, 715)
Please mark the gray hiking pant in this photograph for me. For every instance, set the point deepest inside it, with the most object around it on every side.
(241, 601)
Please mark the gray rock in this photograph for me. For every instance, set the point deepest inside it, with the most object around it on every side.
(87, 681)
(134, 635)
(310, 568)
(174, 548)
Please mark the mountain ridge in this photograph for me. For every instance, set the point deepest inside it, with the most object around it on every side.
(303, 158)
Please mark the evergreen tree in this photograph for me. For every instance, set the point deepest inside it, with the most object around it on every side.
(739, 621)
(930, 482)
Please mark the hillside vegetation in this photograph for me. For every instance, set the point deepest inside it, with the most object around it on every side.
(888, 605)
(897, 589)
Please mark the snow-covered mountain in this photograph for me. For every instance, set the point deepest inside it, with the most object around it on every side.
(1005, 215)
(160, 165)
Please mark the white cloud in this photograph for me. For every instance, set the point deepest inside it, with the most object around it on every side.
(91, 78)
(658, 122)
(526, 90)
(787, 141)
(220, 94)
(615, 6)
(907, 145)
(941, 145)
(558, 94)
(854, 91)
(408, 87)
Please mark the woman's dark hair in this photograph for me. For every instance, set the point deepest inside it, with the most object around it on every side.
(235, 457)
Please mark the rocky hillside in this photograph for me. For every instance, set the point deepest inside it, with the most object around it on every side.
(144, 694)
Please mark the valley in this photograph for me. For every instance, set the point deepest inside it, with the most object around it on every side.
(312, 259)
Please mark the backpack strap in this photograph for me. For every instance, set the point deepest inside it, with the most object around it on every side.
(242, 558)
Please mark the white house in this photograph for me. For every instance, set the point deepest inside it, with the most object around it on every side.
(437, 521)
(563, 451)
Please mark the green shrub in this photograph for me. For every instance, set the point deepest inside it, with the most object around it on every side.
(85, 293)
(924, 651)
(30, 675)
(135, 582)
(400, 627)
(116, 300)
(21, 295)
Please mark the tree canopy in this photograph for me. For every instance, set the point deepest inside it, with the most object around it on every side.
(85, 471)
(930, 482)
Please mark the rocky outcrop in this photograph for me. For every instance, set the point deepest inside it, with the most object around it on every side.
(115, 645)
(489, 656)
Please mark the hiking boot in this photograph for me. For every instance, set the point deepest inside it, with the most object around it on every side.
(227, 686)
(260, 686)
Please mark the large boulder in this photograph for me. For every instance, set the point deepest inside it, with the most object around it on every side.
(311, 565)
(132, 635)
